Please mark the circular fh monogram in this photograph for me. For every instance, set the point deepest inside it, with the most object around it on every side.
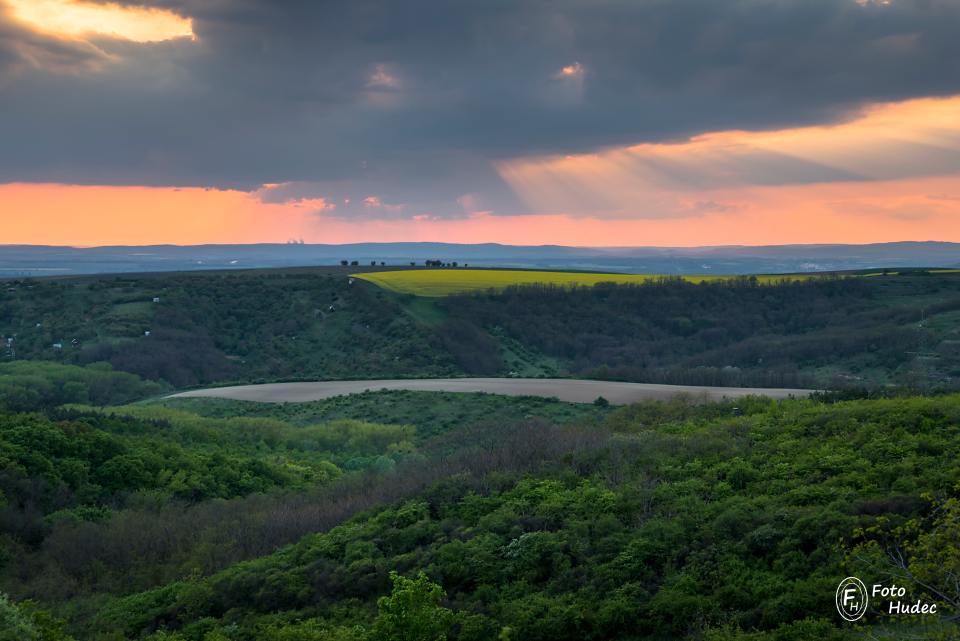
(852, 598)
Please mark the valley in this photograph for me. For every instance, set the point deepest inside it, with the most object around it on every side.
(287, 452)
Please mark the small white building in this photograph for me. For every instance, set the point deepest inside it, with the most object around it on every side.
(156, 299)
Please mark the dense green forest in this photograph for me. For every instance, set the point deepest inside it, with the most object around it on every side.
(837, 332)
(125, 515)
(652, 521)
(264, 325)
(195, 328)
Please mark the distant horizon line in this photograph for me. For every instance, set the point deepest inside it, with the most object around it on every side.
(495, 244)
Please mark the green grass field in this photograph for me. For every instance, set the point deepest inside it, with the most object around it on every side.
(444, 282)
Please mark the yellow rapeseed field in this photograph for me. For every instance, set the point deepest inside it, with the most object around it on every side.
(443, 282)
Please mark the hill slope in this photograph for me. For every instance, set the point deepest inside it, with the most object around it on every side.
(219, 326)
(310, 324)
(666, 521)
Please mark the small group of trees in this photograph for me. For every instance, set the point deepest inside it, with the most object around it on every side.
(428, 263)
(440, 263)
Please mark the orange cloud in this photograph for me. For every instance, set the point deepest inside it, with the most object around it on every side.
(570, 71)
(888, 142)
(74, 18)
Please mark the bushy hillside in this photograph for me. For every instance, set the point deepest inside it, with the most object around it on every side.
(32, 385)
(196, 328)
(866, 331)
(664, 521)
(144, 492)
(432, 413)
(62, 472)
(266, 325)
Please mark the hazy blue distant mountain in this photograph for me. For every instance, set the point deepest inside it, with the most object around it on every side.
(35, 260)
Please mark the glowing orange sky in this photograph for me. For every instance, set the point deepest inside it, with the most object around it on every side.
(902, 164)
(71, 215)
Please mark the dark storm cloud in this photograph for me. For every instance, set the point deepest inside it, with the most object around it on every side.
(409, 101)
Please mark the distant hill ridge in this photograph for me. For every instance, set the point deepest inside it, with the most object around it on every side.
(37, 260)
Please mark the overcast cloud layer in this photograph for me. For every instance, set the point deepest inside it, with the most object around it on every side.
(414, 101)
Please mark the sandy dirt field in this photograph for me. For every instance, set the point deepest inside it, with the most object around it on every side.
(575, 391)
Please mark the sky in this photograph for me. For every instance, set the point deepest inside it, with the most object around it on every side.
(576, 122)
